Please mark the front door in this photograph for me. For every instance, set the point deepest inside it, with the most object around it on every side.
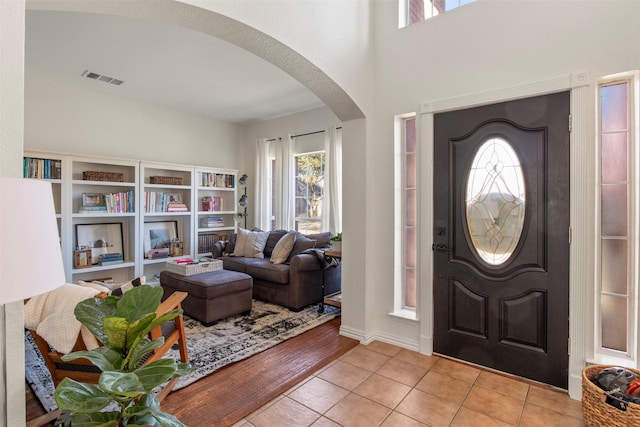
(501, 236)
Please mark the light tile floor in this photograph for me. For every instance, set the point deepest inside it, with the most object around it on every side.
(384, 385)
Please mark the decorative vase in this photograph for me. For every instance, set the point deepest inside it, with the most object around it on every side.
(337, 245)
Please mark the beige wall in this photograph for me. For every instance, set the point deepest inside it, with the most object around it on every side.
(67, 118)
(12, 411)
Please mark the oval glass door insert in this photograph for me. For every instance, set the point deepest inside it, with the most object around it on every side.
(495, 201)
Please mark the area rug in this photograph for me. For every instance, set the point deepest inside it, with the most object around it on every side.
(210, 348)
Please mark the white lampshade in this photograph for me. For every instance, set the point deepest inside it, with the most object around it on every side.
(30, 255)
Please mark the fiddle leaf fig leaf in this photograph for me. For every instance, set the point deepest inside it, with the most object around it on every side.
(79, 397)
(139, 302)
(123, 384)
(115, 328)
(92, 311)
(105, 358)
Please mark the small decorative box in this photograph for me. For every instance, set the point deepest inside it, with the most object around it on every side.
(103, 176)
(166, 180)
(195, 267)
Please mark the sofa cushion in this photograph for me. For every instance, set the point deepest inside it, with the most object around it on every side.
(302, 243)
(239, 263)
(267, 271)
(283, 248)
(250, 243)
(322, 239)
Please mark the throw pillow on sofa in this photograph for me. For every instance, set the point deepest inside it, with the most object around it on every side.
(283, 248)
(250, 243)
(302, 244)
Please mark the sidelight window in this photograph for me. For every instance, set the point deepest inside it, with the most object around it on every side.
(406, 217)
(616, 297)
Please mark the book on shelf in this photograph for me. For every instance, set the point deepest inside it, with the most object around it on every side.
(158, 253)
(92, 209)
(177, 207)
(42, 168)
(155, 201)
(117, 261)
(213, 222)
(212, 203)
(111, 255)
(217, 180)
(110, 259)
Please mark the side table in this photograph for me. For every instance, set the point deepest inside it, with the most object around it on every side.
(334, 299)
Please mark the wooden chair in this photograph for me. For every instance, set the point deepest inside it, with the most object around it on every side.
(82, 370)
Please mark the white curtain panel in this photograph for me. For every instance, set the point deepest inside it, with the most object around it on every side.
(285, 184)
(332, 201)
(262, 206)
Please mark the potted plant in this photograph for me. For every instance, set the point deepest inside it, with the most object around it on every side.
(336, 242)
(123, 395)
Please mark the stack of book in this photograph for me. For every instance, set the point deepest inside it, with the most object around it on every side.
(109, 259)
(158, 253)
(177, 207)
(93, 209)
(215, 221)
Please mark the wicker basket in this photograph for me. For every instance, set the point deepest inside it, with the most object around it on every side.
(103, 176)
(596, 411)
(166, 180)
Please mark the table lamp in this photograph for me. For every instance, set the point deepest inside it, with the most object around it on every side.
(30, 256)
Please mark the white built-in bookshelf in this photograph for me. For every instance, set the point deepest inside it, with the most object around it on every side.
(110, 205)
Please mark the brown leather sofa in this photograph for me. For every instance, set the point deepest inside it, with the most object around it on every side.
(293, 284)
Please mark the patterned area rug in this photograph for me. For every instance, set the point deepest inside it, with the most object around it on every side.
(210, 348)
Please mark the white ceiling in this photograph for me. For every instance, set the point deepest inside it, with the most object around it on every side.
(161, 64)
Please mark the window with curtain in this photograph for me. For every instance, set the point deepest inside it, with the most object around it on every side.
(618, 278)
(302, 180)
(309, 187)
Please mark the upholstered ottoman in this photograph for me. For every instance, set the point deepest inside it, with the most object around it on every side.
(213, 295)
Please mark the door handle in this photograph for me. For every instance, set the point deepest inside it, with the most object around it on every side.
(440, 247)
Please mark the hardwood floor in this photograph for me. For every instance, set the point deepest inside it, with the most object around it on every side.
(235, 391)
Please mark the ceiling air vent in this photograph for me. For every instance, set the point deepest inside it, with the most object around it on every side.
(100, 77)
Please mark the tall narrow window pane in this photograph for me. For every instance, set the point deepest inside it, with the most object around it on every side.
(309, 170)
(615, 273)
(273, 194)
(614, 157)
(411, 212)
(614, 325)
(616, 207)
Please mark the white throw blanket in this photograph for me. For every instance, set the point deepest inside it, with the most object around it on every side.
(51, 316)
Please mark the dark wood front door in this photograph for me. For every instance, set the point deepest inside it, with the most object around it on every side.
(501, 236)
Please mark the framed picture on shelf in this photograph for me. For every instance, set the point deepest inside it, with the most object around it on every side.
(159, 234)
(174, 197)
(92, 199)
(100, 239)
(82, 258)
